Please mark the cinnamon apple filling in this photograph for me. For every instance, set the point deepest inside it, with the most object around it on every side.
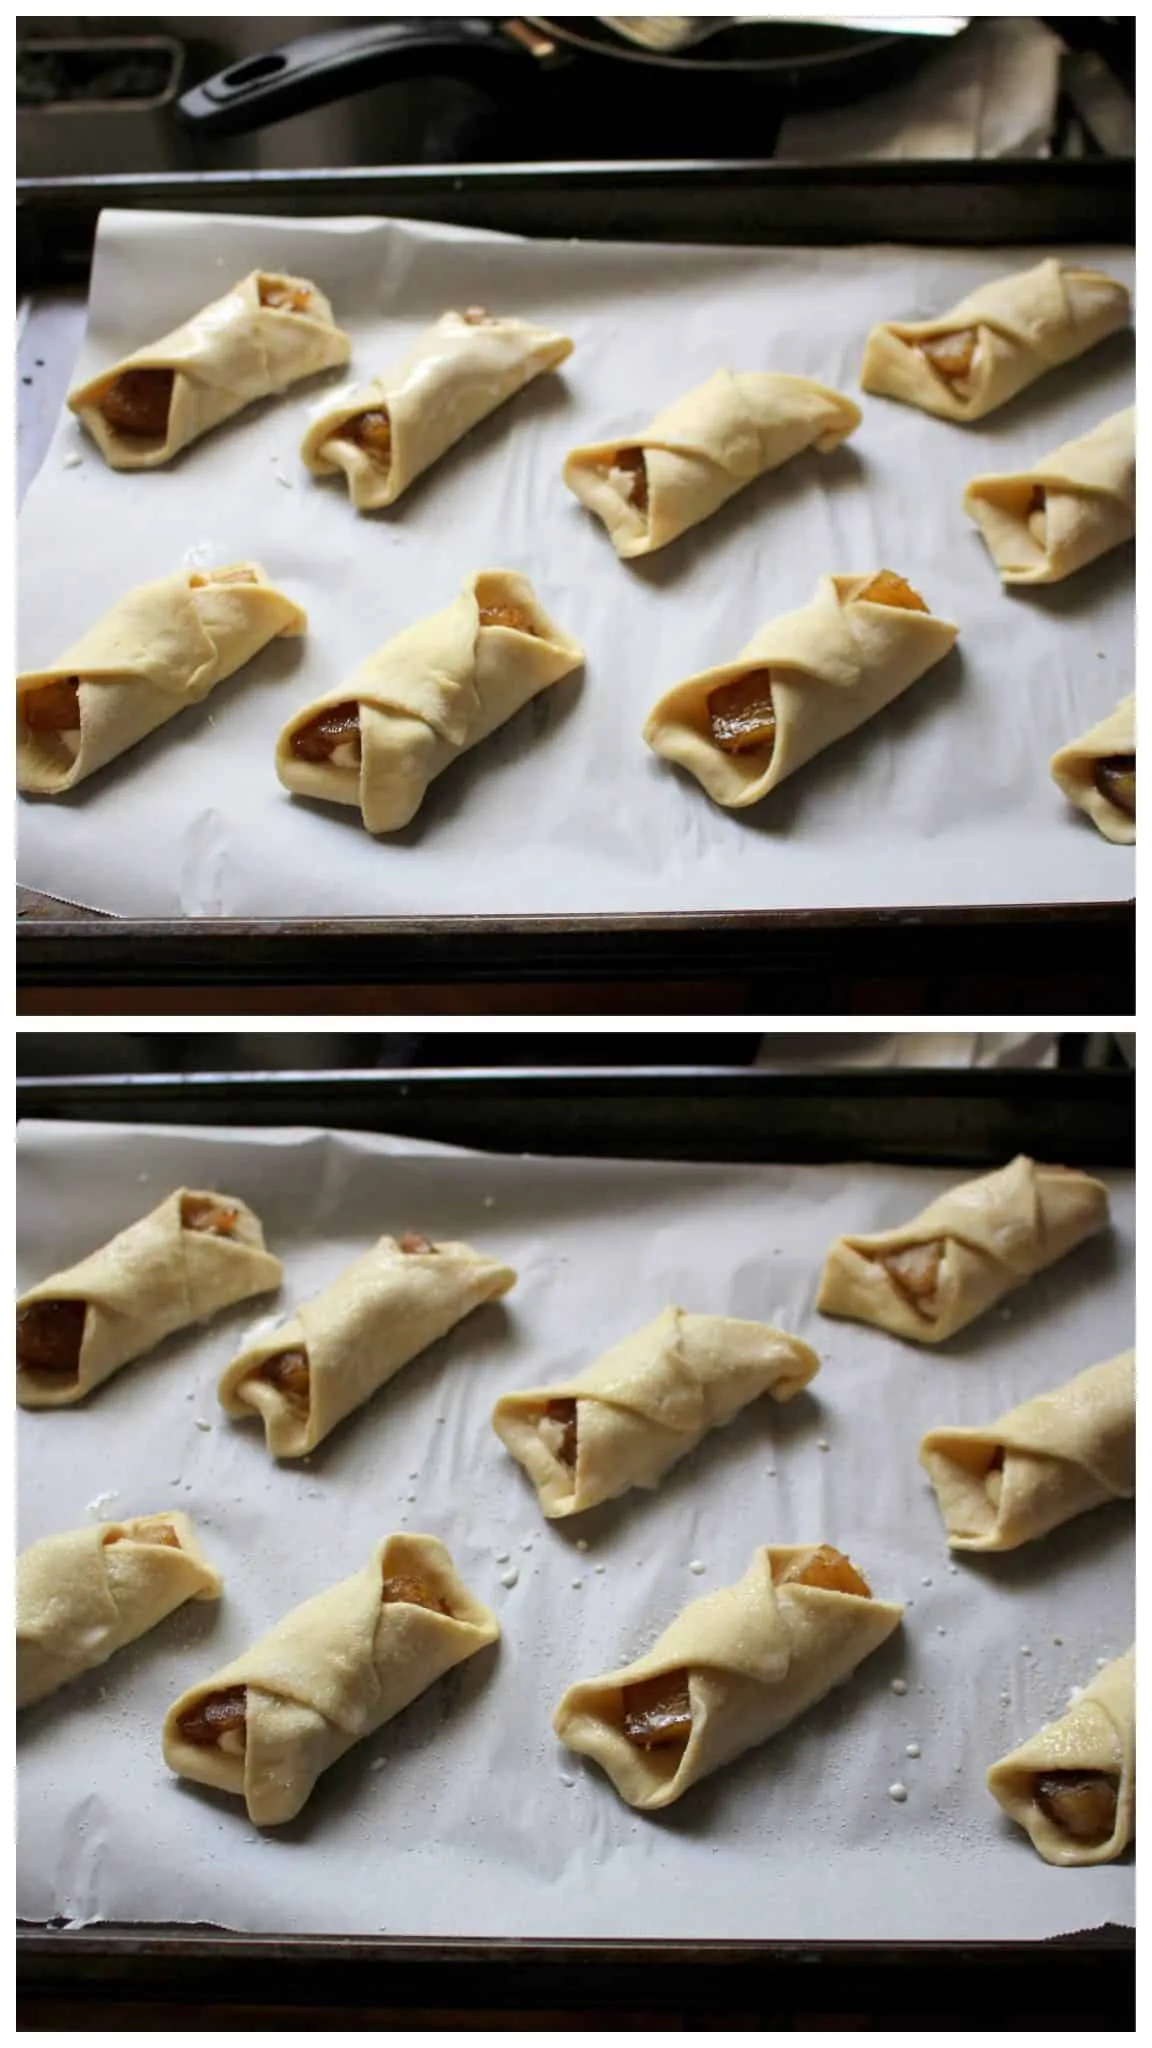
(827, 1569)
(199, 1212)
(994, 1476)
(282, 297)
(1036, 515)
(658, 1711)
(477, 316)
(332, 738)
(741, 715)
(220, 1718)
(137, 403)
(513, 616)
(288, 1372)
(408, 1591)
(629, 473)
(951, 355)
(1082, 1803)
(203, 578)
(48, 1337)
(55, 708)
(1115, 778)
(888, 588)
(915, 1272)
(371, 431)
(149, 1529)
(558, 1429)
(412, 1242)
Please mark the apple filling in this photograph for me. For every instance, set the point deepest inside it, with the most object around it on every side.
(280, 295)
(53, 708)
(888, 588)
(220, 1718)
(1082, 1803)
(513, 616)
(407, 1590)
(1115, 778)
(628, 474)
(558, 1432)
(288, 1373)
(741, 715)
(915, 1272)
(332, 738)
(658, 1711)
(371, 431)
(952, 356)
(827, 1569)
(48, 1338)
(149, 1529)
(203, 577)
(137, 403)
(211, 1218)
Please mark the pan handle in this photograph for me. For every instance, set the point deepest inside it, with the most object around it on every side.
(314, 70)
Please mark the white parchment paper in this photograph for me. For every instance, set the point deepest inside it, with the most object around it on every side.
(944, 799)
(465, 1816)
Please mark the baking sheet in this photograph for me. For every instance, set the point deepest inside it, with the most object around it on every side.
(465, 1817)
(944, 799)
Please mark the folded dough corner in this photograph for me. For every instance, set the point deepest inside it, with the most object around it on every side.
(1045, 1461)
(996, 341)
(645, 1404)
(424, 698)
(1097, 773)
(247, 345)
(1043, 523)
(330, 1673)
(355, 1336)
(83, 1595)
(1090, 1749)
(755, 1656)
(164, 646)
(929, 1278)
(156, 1277)
(650, 487)
(461, 370)
(821, 671)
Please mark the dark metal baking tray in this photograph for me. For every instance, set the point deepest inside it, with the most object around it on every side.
(1050, 955)
(197, 1976)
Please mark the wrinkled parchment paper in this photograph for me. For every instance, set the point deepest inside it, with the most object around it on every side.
(944, 799)
(465, 1816)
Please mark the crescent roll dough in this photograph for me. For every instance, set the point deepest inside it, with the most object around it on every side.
(801, 683)
(650, 487)
(1043, 523)
(645, 1404)
(383, 435)
(964, 1252)
(1042, 1463)
(996, 341)
(733, 1669)
(1072, 1786)
(82, 1596)
(264, 334)
(164, 646)
(196, 1253)
(333, 1671)
(1097, 773)
(420, 701)
(307, 1375)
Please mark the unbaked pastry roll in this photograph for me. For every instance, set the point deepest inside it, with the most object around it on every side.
(1043, 523)
(80, 1597)
(1072, 1786)
(307, 1375)
(421, 700)
(649, 488)
(801, 683)
(970, 1247)
(383, 435)
(332, 1672)
(645, 1404)
(1097, 773)
(197, 1253)
(733, 1669)
(997, 340)
(164, 646)
(1045, 1461)
(264, 334)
